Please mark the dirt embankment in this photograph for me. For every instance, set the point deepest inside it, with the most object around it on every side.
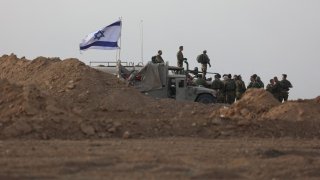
(51, 98)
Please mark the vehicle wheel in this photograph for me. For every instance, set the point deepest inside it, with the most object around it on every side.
(205, 99)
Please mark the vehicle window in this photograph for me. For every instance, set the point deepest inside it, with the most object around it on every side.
(181, 84)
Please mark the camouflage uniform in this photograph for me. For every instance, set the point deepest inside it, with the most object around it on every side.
(285, 85)
(218, 85)
(254, 85)
(204, 60)
(270, 88)
(277, 89)
(201, 82)
(230, 90)
(180, 59)
(159, 59)
(240, 88)
(261, 84)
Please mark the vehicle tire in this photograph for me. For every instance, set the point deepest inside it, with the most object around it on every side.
(206, 99)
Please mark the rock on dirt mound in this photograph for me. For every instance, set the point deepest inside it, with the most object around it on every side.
(252, 105)
(300, 110)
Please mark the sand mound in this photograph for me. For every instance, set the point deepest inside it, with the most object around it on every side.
(66, 99)
(49, 98)
(301, 110)
(252, 105)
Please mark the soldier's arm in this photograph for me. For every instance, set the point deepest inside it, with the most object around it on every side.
(208, 60)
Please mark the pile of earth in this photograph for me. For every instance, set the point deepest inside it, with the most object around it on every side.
(53, 98)
(252, 105)
(300, 110)
(258, 104)
(49, 98)
(258, 113)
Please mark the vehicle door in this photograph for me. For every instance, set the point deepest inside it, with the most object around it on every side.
(181, 89)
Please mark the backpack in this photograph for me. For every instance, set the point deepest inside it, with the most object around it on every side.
(200, 58)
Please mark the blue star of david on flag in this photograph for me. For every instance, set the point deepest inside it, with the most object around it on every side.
(105, 38)
(98, 35)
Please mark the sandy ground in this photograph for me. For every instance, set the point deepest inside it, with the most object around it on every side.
(165, 158)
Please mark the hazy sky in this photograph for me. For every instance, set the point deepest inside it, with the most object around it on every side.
(266, 37)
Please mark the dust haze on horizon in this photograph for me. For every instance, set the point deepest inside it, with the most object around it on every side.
(244, 37)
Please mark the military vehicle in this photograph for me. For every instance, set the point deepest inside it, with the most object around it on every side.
(162, 81)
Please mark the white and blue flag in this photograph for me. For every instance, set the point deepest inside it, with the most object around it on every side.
(105, 38)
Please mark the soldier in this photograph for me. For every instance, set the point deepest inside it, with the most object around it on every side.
(230, 89)
(240, 87)
(200, 81)
(159, 58)
(285, 85)
(270, 86)
(253, 82)
(180, 57)
(261, 84)
(204, 60)
(218, 85)
(277, 89)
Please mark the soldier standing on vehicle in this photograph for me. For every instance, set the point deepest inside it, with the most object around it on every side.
(240, 87)
(158, 58)
(285, 85)
(204, 60)
(218, 85)
(180, 57)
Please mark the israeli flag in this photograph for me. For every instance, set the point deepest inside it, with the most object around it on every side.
(106, 38)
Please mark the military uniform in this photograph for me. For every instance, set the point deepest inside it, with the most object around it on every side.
(218, 85)
(277, 89)
(240, 88)
(254, 85)
(270, 88)
(261, 84)
(159, 59)
(204, 60)
(201, 82)
(180, 59)
(230, 91)
(285, 85)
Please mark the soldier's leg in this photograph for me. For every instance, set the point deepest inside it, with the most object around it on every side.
(281, 98)
(229, 98)
(238, 96)
(204, 70)
(285, 96)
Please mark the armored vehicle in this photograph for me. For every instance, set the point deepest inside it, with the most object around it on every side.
(163, 81)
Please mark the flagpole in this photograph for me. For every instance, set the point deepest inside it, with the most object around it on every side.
(120, 18)
(142, 41)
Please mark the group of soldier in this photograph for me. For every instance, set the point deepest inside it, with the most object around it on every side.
(203, 59)
(279, 89)
(231, 88)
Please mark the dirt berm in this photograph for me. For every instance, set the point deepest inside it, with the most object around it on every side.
(49, 98)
